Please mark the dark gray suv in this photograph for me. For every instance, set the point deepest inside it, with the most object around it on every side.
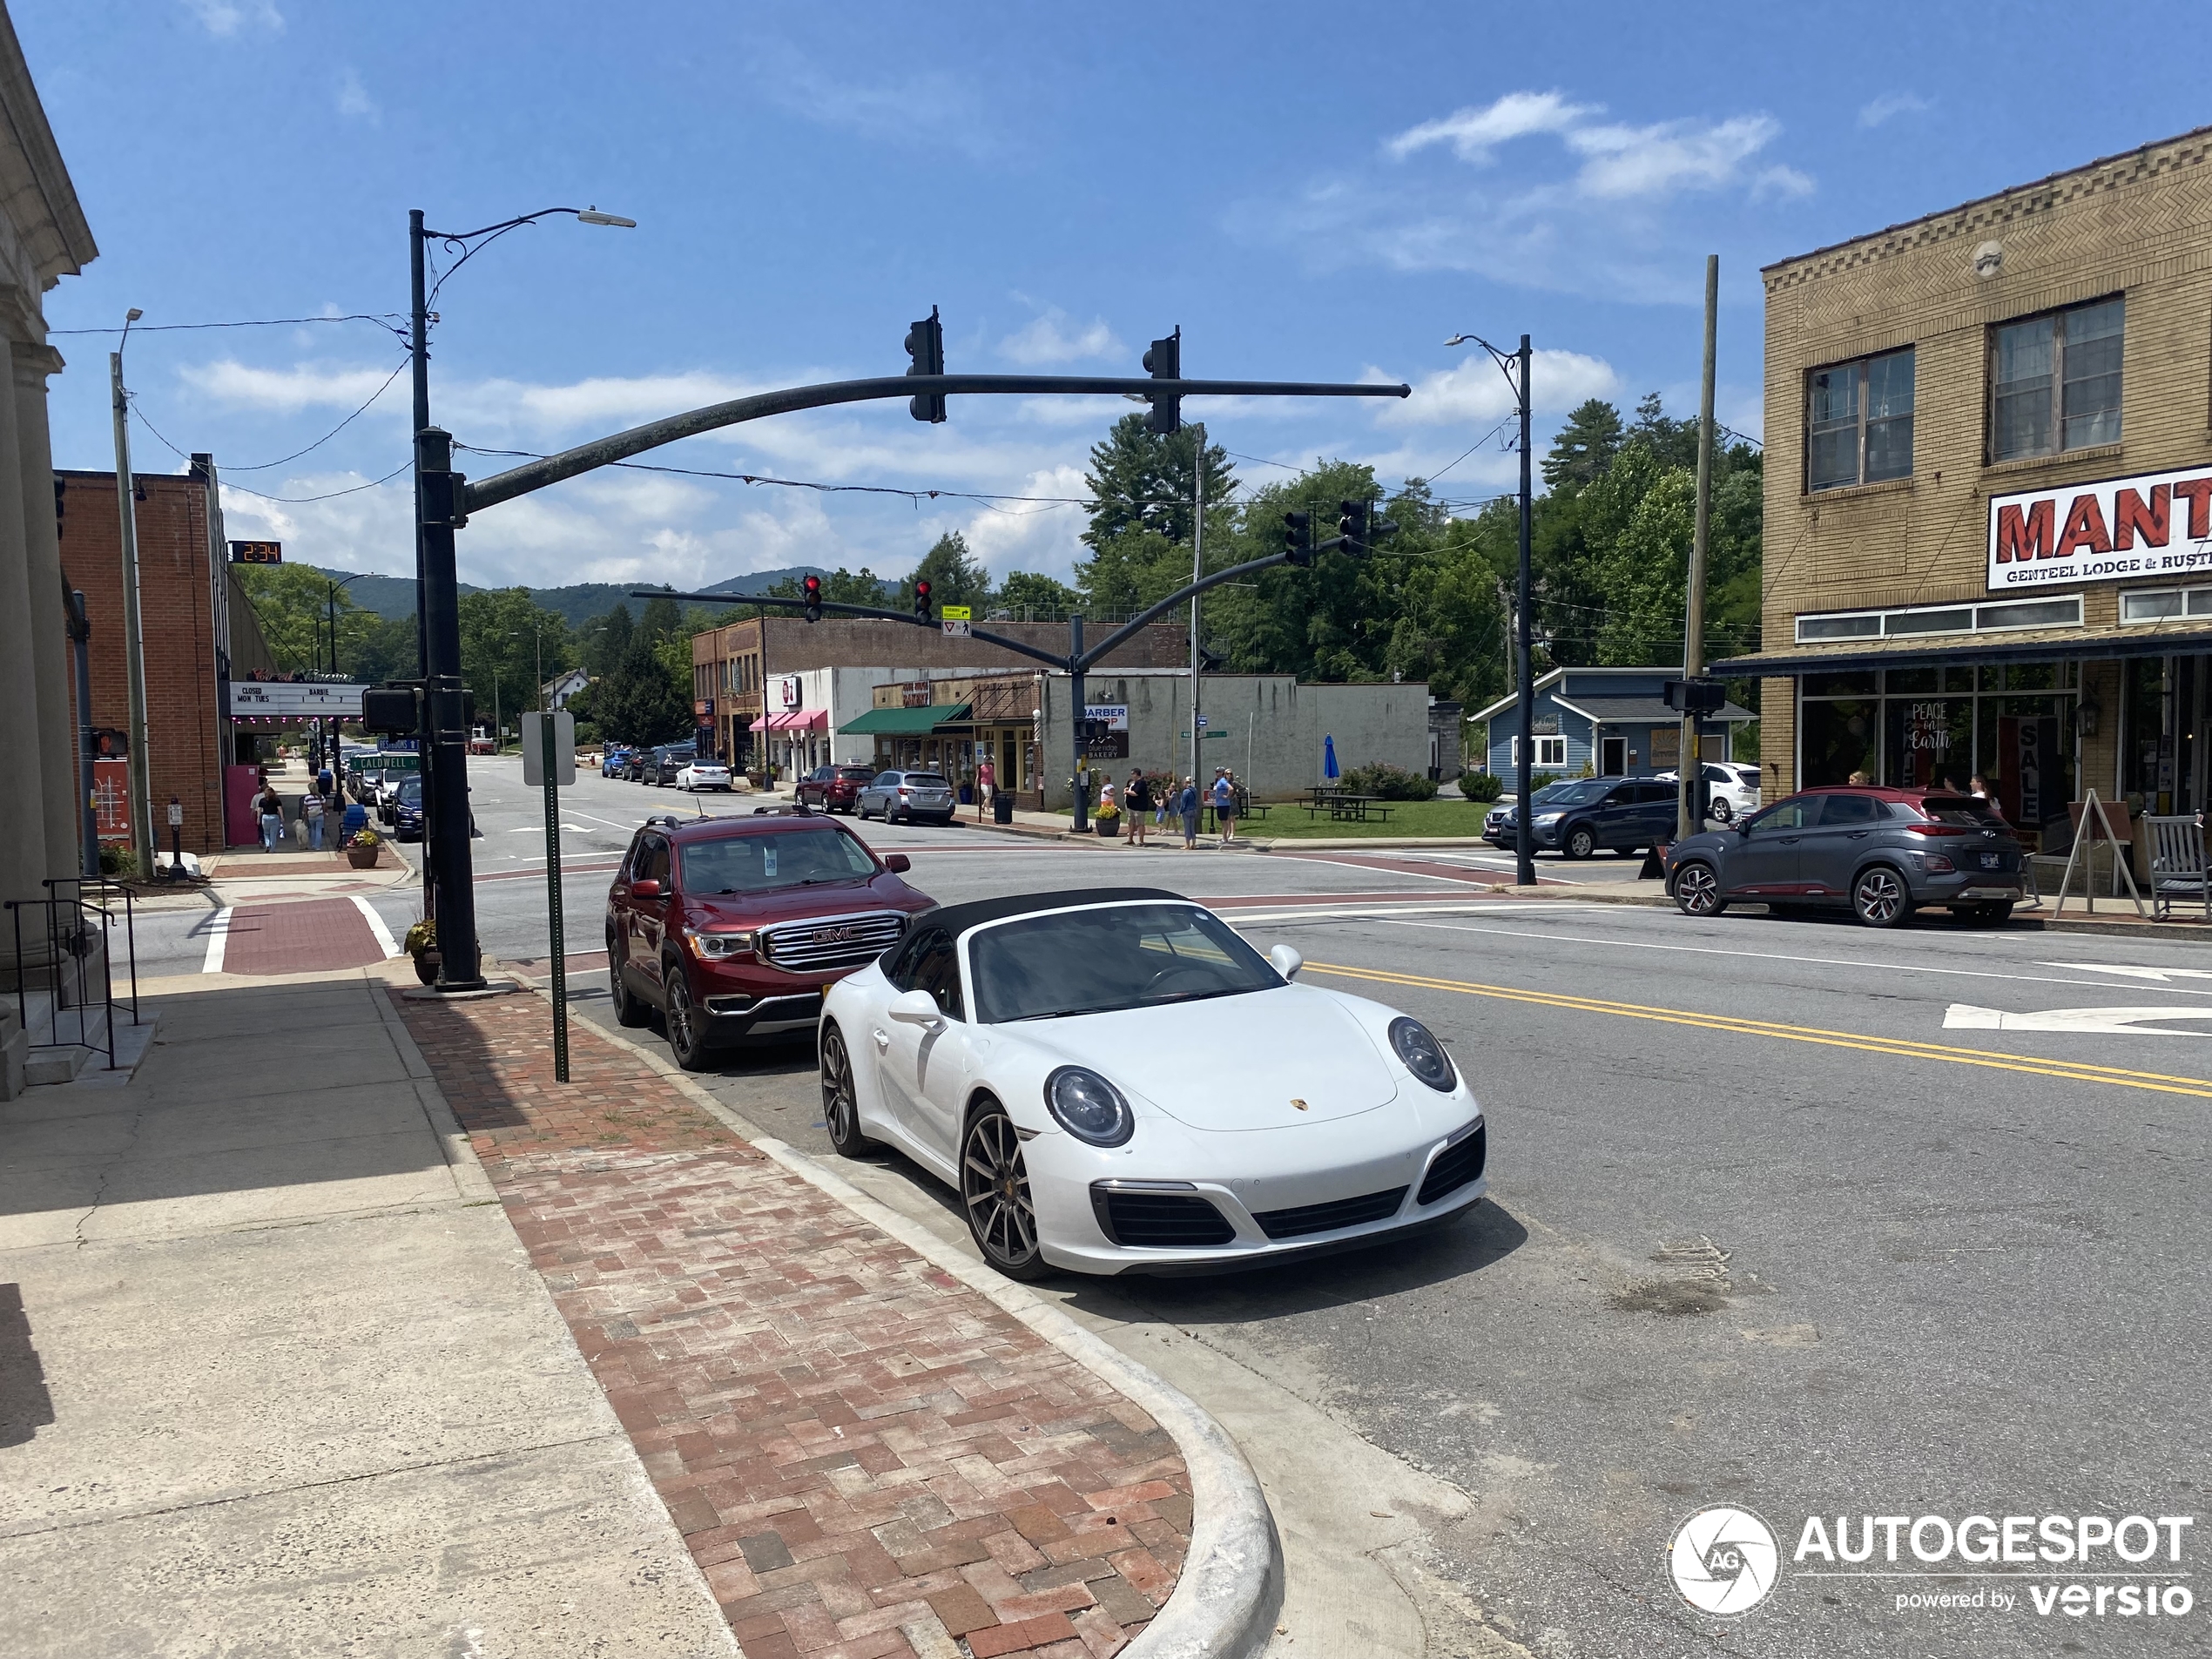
(1619, 813)
(1881, 852)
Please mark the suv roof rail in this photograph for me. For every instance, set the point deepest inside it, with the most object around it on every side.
(793, 809)
(668, 818)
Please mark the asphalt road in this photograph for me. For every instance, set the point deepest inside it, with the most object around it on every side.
(1783, 1216)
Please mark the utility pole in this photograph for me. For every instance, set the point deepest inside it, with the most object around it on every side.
(1525, 829)
(419, 346)
(1690, 798)
(1197, 571)
(134, 642)
(80, 636)
(1081, 805)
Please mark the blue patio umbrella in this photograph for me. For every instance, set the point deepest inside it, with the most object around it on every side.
(1329, 757)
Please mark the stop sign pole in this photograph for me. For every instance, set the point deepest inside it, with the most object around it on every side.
(549, 759)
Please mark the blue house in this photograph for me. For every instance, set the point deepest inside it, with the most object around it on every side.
(1609, 721)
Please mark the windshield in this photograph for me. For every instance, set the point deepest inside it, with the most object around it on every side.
(1578, 795)
(1092, 961)
(411, 792)
(761, 863)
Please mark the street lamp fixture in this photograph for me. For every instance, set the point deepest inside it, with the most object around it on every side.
(1514, 366)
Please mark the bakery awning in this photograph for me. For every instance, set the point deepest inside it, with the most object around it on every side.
(795, 720)
(907, 722)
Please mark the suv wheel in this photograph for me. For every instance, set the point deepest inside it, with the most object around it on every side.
(1879, 897)
(994, 1191)
(687, 1022)
(628, 1009)
(1719, 810)
(1697, 890)
(840, 1106)
(1580, 842)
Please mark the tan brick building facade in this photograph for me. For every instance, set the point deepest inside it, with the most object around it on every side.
(2031, 344)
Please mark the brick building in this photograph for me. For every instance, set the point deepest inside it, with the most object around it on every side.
(197, 625)
(815, 676)
(1988, 467)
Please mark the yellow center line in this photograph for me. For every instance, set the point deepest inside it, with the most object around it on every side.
(1905, 1047)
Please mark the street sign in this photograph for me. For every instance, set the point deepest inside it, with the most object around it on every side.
(956, 618)
(256, 553)
(957, 629)
(538, 758)
(1203, 723)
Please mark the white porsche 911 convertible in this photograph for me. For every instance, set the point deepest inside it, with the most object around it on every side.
(1116, 1081)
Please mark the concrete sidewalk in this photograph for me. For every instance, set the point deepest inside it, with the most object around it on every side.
(276, 1375)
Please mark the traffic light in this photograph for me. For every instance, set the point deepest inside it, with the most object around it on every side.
(921, 601)
(1165, 362)
(926, 345)
(390, 709)
(1298, 537)
(1351, 524)
(812, 590)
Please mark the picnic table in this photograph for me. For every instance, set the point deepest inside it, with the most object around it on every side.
(1344, 807)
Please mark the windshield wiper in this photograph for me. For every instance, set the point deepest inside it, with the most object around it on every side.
(1066, 1014)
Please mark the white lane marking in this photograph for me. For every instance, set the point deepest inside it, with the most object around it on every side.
(2162, 974)
(2124, 1022)
(1238, 918)
(376, 925)
(1760, 955)
(1369, 869)
(218, 933)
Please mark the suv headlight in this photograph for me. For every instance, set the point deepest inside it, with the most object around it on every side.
(713, 947)
(1089, 1106)
(1423, 1055)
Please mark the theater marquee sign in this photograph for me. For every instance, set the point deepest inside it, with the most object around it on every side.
(2156, 523)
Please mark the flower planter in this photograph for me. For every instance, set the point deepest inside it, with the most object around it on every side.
(1109, 828)
(361, 858)
(426, 966)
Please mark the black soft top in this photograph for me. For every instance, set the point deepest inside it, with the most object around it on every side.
(961, 917)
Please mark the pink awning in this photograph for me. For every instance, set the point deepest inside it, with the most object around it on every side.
(796, 721)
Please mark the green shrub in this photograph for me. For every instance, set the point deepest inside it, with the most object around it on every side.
(1481, 787)
(1389, 782)
(118, 861)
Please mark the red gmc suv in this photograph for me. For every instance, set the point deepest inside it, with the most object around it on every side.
(832, 787)
(735, 927)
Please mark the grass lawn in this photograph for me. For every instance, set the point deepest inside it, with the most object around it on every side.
(1287, 821)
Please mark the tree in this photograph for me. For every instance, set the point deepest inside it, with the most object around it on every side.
(293, 604)
(505, 637)
(606, 640)
(663, 621)
(1025, 596)
(841, 586)
(640, 702)
(1673, 443)
(1584, 448)
(1140, 480)
(955, 576)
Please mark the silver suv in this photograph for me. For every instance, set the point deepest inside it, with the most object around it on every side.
(908, 795)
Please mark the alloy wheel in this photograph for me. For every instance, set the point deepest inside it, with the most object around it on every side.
(1697, 890)
(1879, 897)
(686, 1030)
(628, 1011)
(1581, 843)
(840, 1109)
(995, 1189)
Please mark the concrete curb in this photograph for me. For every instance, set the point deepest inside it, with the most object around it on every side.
(1226, 1597)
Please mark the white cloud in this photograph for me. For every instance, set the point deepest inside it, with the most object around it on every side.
(284, 391)
(1050, 339)
(1876, 111)
(1473, 132)
(1474, 391)
(925, 107)
(1655, 160)
(354, 100)
(223, 18)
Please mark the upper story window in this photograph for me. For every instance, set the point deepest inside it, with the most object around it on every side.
(2054, 381)
(1859, 421)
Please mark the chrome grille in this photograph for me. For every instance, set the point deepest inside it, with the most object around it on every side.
(831, 942)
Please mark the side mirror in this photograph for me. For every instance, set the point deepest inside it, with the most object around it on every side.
(897, 863)
(915, 1007)
(649, 888)
(1285, 961)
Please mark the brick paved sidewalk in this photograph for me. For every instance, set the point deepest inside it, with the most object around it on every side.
(864, 1456)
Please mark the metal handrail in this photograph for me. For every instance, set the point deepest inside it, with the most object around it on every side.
(69, 922)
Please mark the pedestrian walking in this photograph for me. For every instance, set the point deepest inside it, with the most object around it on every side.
(271, 819)
(986, 787)
(1186, 806)
(312, 809)
(1138, 799)
(1225, 804)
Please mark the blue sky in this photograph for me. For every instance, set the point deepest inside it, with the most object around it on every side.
(1312, 191)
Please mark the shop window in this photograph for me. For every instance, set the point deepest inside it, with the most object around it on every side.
(2158, 605)
(1550, 752)
(1859, 421)
(2054, 381)
(1941, 619)
(1836, 739)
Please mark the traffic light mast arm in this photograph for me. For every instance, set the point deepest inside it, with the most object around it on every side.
(778, 602)
(602, 451)
(1181, 597)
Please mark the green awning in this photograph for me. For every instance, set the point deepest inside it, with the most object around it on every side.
(907, 722)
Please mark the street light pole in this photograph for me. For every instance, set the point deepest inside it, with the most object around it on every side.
(1514, 368)
(134, 643)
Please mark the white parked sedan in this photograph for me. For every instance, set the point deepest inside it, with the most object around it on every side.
(703, 774)
(1114, 1080)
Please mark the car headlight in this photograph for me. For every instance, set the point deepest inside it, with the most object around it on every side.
(1089, 1106)
(712, 946)
(1423, 1055)
(1543, 818)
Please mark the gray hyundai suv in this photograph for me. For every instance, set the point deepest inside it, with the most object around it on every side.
(1882, 853)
